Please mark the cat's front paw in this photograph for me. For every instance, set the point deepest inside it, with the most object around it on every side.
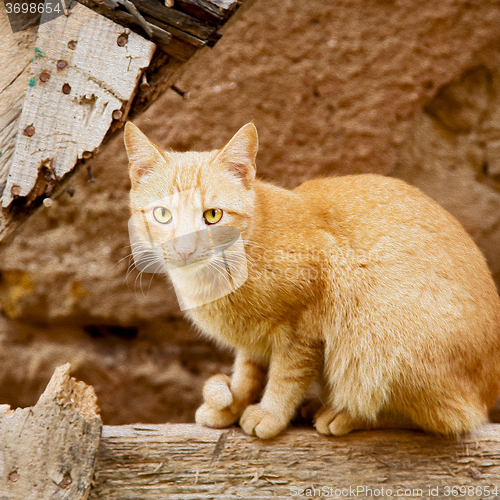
(208, 416)
(217, 392)
(265, 424)
(217, 411)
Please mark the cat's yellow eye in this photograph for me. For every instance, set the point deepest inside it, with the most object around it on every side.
(162, 215)
(212, 215)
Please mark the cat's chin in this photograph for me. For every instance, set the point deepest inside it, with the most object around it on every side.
(196, 272)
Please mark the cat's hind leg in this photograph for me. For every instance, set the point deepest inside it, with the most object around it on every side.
(330, 422)
(226, 398)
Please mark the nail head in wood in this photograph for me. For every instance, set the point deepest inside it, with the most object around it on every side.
(66, 88)
(179, 91)
(91, 174)
(44, 76)
(29, 131)
(13, 476)
(61, 64)
(72, 44)
(144, 83)
(47, 202)
(122, 40)
(15, 190)
(117, 114)
(169, 3)
(66, 480)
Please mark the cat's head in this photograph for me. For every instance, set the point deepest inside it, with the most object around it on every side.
(188, 205)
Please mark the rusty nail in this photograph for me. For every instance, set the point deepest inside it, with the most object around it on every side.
(66, 480)
(13, 476)
(15, 190)
(91, 174)
(61, 64)
(66, 88)
(44, 76)
(72, 44)
(29, 130)
(122, 40)
(182, 93)
(117, 114)
(144, 83)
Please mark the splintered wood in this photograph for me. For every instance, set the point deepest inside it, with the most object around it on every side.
(48, 451)
(187, 462)
(80, 75)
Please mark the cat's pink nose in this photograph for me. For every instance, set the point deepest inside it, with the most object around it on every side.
(185, 252)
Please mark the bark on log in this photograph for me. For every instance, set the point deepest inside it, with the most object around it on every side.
(48, 451)
(189, 462)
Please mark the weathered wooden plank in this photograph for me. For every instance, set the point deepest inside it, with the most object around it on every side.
(82, 75)
(48, 451)
(212, 11)
(17, 50)
(190, 462)
(172, 41)
(175, 18)
(160, 37)
(178, 34)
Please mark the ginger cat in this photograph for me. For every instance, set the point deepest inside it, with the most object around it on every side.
(360, 282)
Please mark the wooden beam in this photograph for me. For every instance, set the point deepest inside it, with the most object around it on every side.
(188, 32)
(160, 37)
(77, 79)
(213, 11)
(17, 51)
(48, 451)
(59, 449)
(80, 76)
(188, 462)
(175, 18)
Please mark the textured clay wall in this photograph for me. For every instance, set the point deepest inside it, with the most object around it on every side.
(407, 88)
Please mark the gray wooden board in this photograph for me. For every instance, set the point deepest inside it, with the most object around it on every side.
(102, 77)
(177, 461)
(16, 52)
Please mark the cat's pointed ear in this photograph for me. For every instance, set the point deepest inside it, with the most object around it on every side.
(238, 155)
(143, 155)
